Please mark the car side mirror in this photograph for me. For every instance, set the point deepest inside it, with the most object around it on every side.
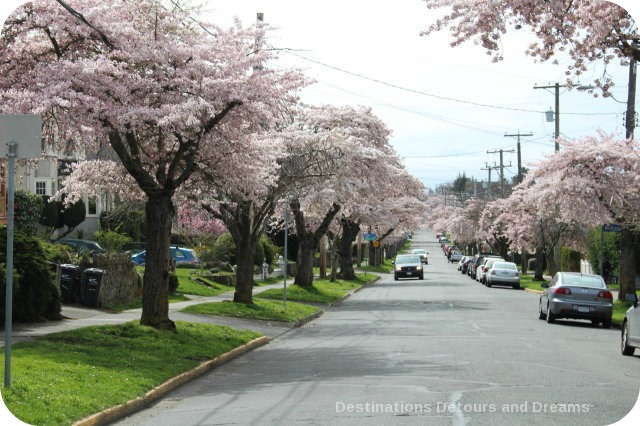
(544, 285)
(633, 298)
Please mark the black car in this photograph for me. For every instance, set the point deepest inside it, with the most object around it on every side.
(408, 266)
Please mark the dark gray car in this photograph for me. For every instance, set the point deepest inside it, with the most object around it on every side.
(408, 266)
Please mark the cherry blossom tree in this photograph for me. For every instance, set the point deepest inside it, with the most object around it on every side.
(598, 180)
(588, 31)
(159, 87)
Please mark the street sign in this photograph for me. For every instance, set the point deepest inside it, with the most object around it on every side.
(611, 227)
(376, 243)
(370, 237)
(23, 130)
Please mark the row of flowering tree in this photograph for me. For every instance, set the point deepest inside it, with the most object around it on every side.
(180, 111)
(591, 181)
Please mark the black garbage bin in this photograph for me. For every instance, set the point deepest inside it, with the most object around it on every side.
(70, 283)
(91, 281)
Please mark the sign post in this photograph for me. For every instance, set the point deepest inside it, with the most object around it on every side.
(20, 137)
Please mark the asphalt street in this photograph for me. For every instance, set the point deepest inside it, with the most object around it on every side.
(444, 350)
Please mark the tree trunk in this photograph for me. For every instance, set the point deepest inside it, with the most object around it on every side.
(350, 231)
(539, 264)
(304, 272)
(627, 264)
(322, 264)
(524, 262)
(245, 253)
(308, 241)
(155, 301)
(552, 264)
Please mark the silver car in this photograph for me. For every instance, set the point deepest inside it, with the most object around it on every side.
(576, 296)
(482, 270)
(503, 273)
(631, 327)
(423, 255)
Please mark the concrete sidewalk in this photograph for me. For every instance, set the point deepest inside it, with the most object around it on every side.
(76, 316)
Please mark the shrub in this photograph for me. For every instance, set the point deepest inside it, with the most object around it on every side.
(173, 283)
(28, 209)
(269, 250)
(224, 248)
(569, 259)
(111, 240)
(35, 293)
(49, 216)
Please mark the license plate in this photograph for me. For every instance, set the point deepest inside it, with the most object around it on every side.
(409, 273)
(584, 309)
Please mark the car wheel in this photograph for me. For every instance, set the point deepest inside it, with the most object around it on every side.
(395, 277)
(606, 324)
(551, 317)
(487, 283)
(421, 276)
(541, 315)
(516, 286)
(624, 343)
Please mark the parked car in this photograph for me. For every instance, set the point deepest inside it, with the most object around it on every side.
(630, 336)
(455, 256)
(407, 266)
(466, 261)
(80, 245)
(576, 296)
(503, 273)
(423, 255)
(479, 259)
(482, 270)
(180, 255)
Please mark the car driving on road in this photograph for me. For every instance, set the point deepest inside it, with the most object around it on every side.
(576, 296)
(423, 255)
(407, 266)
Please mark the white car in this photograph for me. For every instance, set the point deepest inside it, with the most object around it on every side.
(630, 337)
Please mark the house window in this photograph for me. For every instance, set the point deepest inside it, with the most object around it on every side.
(54, 187)
(41, 187)
(92, 207)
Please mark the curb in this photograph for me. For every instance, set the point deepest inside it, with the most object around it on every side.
(121, 411)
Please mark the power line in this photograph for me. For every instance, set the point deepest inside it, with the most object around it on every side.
(419, 92)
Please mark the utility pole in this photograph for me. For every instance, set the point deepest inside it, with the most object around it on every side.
(518, 135)
(501, 167)
(556, 117)
(630, 118)
(489, 168)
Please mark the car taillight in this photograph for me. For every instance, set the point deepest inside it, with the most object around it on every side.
(485, 269)
(605, 294)
(562, 290)
(517, 274)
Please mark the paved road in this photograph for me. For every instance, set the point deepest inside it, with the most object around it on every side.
(441, 351)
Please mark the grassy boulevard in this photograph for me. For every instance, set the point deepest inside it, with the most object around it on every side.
(61, 378)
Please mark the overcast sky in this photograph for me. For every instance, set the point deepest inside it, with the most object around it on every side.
(371, 53)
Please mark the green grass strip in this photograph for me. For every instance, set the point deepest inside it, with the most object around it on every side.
(527, 281)
(63, 377)
(260, 309)
(323, 291)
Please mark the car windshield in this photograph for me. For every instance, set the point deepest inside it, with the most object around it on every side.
(408, 259)
(419, 251)
(505, 265)
(593, 281)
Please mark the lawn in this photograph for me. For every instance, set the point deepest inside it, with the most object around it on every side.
(61, 378)
(323, 291)
(261, 309)
(619, 309)
(526, 281)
